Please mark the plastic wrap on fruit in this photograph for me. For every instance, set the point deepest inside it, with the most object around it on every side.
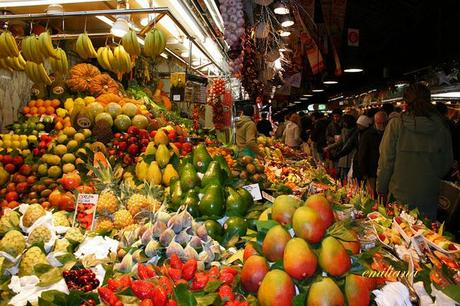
(175, 248)
(166, 237)
(182, 238)
(126, 264)
(190, 252)
(175, 223)
(151, 249)
(147, 236)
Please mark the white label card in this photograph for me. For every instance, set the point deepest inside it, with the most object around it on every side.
(268, 197)
(87, 198)
(176, 97)
(254, 190)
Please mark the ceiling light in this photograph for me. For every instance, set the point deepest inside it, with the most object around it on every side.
(286, 21)
(330, 82)
(452, 94)
(401, 84)
(303, 98)
(307, 95)
(5, 4)
(172, 41)
(120, 27)
(285, 34)
(55, 9)
(105, 20)
(318, 90)
(353, 70)
(298, 102)
(144, 21)
(281, 9)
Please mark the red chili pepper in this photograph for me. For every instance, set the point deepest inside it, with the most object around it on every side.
(189, 269)
(243, 303)
(200, 281)
(109, 297)
(160, 297)
(175, 274)
(166, 284)
(229, 270)
(175, 262)
(226, 293)
(147, 302)
(145, 272)
(226, 278)
(213, 272)
(142, 289)
(172, 303)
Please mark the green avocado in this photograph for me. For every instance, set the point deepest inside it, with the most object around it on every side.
(212, 203)
(188, 177)
(201, 158)
(213, 175)
(227, 173)
(246, 197)
(191, 201)
(235, 205)
(176, 195)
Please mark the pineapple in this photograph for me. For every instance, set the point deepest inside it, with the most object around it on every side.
(142, 199)
(137, 203)
(108, 203)
(104, 225)
(122, 219)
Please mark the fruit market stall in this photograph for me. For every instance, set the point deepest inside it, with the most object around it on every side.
(107, 199)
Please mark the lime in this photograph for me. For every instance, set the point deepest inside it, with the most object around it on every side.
(214, 229)
(54, 172)
(236, 225)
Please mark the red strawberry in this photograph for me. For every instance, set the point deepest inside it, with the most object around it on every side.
(142, 289)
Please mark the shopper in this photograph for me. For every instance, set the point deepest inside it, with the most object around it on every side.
(352, 144)
(291, 134)
(344, 162)
(368, 157)
(305, 126)
(318, 135)
(281, 126)
(264, 126)
(444, 112)
(335, 126)
(415, 153)
(246, 133)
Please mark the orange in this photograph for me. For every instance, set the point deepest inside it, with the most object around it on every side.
(55, 103)
(67, 124)
(34, 110)
(26, 110)
(47, 103)
(41, 110)
(32, 103)
(40, 102)
(50, 110)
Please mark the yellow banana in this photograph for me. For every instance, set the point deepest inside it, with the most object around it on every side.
(46, 45)
(3, 64)
(30, 71)
(9, 43)
(4, 46)
(44, 77)
(79, 48)
(131, 44)
(21, 60)
(88, 45)
(102, 58)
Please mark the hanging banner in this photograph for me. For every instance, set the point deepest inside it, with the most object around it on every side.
(313, 53)
(353, 37)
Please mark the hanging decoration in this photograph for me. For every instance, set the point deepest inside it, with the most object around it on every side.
(233, 16)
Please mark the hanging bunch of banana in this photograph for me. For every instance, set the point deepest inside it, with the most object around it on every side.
(37, 73)
(60, 65)
(84, 47)
(131, 44)
(8, 45)
(120, 62)
(31, 47)
(16, 63)
(45, 46)
(155, 43)
(105, 57)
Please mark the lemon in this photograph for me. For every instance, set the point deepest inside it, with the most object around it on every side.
(15, 144)
(15, 137)
(32, 138)
(23, 137)
(24, 144)
(61, 112)
(42, 170)
(7, 143)
(53, 160)
(68, 158)
(62, 138)
(6, 136)
(89, 99)
(81, 152)
(26, 152)
(72, 145)
(69, 131)
(79, 137)
(68, 168)
(54, 172)
(60, 149)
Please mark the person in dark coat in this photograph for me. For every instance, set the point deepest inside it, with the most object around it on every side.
(264, 126)
(318, 134)
(368, 151)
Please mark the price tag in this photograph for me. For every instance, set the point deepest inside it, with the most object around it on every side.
(268, 197)
(254, 190)
(85, 210)
(176, 97)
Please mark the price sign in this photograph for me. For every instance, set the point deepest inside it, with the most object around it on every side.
(254, 190)
(268, 197)
(85, 210)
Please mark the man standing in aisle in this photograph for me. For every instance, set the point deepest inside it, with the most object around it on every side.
(246, 133)
(264, 126)
(415, 153)
(368, 151)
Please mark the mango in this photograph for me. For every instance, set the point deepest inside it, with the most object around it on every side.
(352, 246)
(162, 155)
(325, 293)
(283, 209)
(277, 289)
(307, 224)
(321, 205)
(357, 290)
(154, 175)
(274, 243)
(333, 257)
(161, 138)
(299, 260)
(253, 272)
(169, 174)
(249, 250)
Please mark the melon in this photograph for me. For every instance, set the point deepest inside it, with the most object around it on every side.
(114, 109)
(104, 117)
(94, 109)
(129, 109)
(122, 122)
(140, 121)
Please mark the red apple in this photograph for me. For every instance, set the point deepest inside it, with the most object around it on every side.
(12, 196)
(25, 170)
(10, 168)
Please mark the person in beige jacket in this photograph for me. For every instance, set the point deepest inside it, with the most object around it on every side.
(415, 153)
(291, 134)
(246, 134)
